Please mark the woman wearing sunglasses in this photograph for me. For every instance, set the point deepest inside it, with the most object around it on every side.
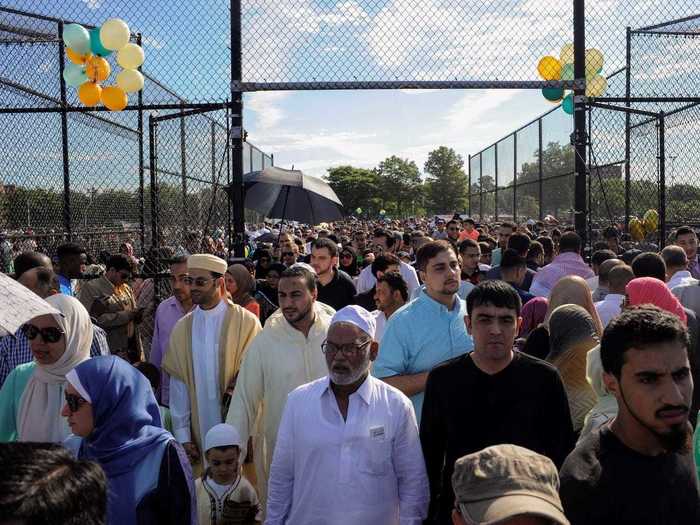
(110, 405)
(32, 396)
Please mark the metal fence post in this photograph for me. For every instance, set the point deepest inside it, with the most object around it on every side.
(628, 121)
(153, 154)
(184, 215)
(142, 203)
(469, 185)
(495, 177)
(481, 188)
(540, 169)
(515, 177)
(67, 222)
(580, 117)
(662, 179)
(236, 137)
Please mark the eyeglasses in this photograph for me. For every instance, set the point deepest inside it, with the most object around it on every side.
(199, 282)
(74, 402)
(348, 351)
(288, 254)
(50, 334)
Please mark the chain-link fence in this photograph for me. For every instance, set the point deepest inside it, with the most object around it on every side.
(640, 156)
(85, 176)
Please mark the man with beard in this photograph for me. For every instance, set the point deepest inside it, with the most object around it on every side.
(427, 331)
(204, 355)
(491, 396)
(348, 449)
(168, 313)
(390, 295)
(386, 262)
(639, 468)
(284, 356)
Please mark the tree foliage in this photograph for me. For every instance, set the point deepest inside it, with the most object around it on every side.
(446, 181)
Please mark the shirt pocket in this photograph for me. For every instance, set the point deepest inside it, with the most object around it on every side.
(376, 457)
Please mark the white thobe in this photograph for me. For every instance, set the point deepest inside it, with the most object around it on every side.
(609, 308)
(365, 469)
(366, 280)
(206, 333)
(681, 278)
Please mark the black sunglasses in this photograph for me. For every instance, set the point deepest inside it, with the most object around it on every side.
(288, 254)
(74, 402)
(50, 334)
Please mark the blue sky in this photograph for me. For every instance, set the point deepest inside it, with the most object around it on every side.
(186, 47)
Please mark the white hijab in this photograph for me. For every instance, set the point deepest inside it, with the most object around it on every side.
(41, 402)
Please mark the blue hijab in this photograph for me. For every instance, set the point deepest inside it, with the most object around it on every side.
(127, 429)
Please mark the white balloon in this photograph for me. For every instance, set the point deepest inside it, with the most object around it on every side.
(114, 34)
(130, 80)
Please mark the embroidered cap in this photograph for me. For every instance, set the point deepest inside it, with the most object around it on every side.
(222, 435)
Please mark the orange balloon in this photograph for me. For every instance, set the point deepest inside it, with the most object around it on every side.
(97, 69)
(90, 93)
(76, 57)
(114, 98)
(549, 68)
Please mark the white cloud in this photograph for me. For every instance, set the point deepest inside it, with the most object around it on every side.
(265, 104)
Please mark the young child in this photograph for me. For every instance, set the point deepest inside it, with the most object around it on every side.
(224, 495)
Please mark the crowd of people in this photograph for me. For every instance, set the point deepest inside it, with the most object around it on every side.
(393, 372)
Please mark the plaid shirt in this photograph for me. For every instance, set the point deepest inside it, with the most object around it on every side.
(15, 350)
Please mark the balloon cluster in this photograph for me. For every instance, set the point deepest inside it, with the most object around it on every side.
(648, 224)
(88, 67)
(562, 68)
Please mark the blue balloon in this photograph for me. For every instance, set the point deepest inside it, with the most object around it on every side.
(74, 75)
(553, 94)
(568, 104)
(77, 38)
(96, 44)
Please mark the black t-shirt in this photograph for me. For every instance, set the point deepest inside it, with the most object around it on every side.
(604, 481)
(338, 293)
(466, 410)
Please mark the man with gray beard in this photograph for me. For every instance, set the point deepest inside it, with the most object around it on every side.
(348, 434)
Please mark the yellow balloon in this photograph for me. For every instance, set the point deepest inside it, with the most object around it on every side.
(114, 34)
(97, 69)
(76, 57)
(636, 229)
(596, 86)
(90, 93)
(650, 221)
(130, 56)
(567, 54)
(130, 80)
(594, 62)
(549, 68)
(114, 98)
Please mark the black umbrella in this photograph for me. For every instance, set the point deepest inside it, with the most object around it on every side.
(290, 195)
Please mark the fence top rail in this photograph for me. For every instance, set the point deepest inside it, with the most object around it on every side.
(655, 27)
(536, 119)
(46, 18)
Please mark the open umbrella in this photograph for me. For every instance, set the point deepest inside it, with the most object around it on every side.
(290, 195)
(19, 305)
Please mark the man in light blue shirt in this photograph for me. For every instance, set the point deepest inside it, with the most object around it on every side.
(427, 331)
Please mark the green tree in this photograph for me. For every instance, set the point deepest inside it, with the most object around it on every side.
(355, 187)
(446, 181)
(399, 185)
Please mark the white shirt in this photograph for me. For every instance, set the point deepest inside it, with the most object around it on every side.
(206, 331)
(609, 308)
(366, 280)
(681, 278)
(367, 470)
(380, 320)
